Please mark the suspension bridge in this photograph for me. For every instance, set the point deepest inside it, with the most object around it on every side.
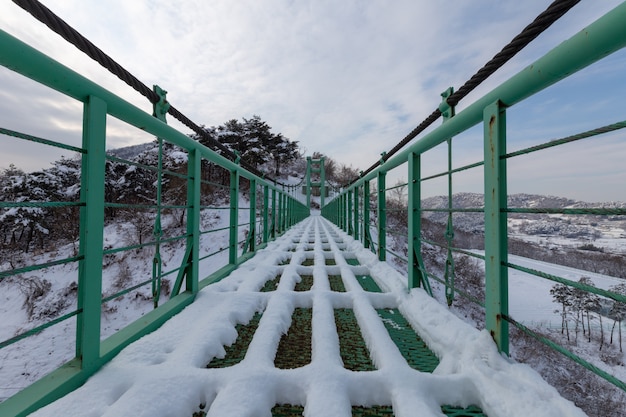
(305, 316)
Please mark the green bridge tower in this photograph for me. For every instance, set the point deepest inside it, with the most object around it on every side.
(315, 168)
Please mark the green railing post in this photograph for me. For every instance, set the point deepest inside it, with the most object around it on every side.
(265, 213)
(252, 233)
(160, 109)
(281, 212)
(496, 246)
(274, 216)
(91, 234)
(308, 181)
(288, 211)
(417, 271)
(357, 224)
(234, 214)
(382, 217)
(194, 174)
(366, 214)
(322, 183)
(350, 212)
(344, 212)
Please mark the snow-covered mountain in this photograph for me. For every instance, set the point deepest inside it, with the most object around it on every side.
(568, 226)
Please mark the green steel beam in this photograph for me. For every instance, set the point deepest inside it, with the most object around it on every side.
(91, 233)
(496, 251)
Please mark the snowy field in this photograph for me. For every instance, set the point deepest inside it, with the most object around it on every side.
(164, 374)
(530, 301)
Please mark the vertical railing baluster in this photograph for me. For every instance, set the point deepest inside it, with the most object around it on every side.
(357, 223)
(350, 212)
(91, 234)
(274, 216)
(366, 214)
(194, 182)
(417, 272)
(496, 245)
(252, 232)
(234, 214)
(382, 216)
(266, 224)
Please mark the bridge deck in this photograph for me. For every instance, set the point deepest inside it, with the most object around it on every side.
(313, 325)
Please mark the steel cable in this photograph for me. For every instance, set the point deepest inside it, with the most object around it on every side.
(543, 21)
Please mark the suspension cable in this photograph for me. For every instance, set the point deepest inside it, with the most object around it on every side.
(542, 22)
(62, 28)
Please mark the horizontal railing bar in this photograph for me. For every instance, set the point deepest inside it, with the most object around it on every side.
(214, 230)
(43, 141)
(145, 206)
(126, 291)
(554, 346)
(213, 253)
(468, 253)
(214, 184)
(455, 210)
(404, 209)
(172, 271)
(42, 204)
(454, 171)
(402, 258)
(461, 292)
(31, 268)
(396, 186)
(146, 167)
(38, 329)
(565, 281)
(556, 142)
(594, 211)
(143, 245)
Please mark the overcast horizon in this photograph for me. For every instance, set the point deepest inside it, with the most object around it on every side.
(349, 79)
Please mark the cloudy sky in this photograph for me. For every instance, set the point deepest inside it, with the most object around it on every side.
(348, 78)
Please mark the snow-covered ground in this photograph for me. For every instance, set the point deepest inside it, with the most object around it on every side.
(32, 358)
(530, 300)
(164, 374)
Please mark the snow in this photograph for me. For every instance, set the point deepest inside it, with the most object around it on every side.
(529, 296)
(164, 374)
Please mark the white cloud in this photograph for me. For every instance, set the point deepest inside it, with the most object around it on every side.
(347, 78)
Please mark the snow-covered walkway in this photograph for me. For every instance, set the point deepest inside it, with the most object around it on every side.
(165, 374)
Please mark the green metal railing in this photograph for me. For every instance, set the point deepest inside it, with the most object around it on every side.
(354, 208)
(270, 212)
